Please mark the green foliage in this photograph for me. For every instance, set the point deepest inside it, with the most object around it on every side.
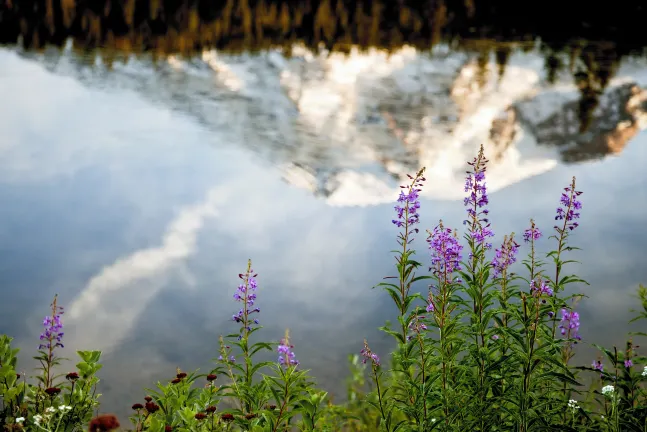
(68, 407)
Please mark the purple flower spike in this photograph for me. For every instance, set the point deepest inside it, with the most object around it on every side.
(476, 199)
(445, 252)
(570, 324)
(597, 365)
(53, 333)
(369, 355)
(246, 294)
(542, 289)
(286, 355)
(569, 206)
(409, 202)
(628, 363)
(505, 256)
(532, 233)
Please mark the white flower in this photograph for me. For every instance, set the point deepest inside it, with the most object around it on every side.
(38, 418)
(65, 407)
(608, 389)
(644, 371)
(572, 404)
(20, 419)
(51, 410)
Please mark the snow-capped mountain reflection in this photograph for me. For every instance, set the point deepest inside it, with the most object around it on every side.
(350, 127)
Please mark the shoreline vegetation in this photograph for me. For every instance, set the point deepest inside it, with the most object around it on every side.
(482, 349)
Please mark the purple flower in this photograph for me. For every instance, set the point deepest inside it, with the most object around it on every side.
(246, 294)
(417, 326)
(628, 363)
(569, 206)
(286, 355)
(53, 333)
(369, 355)
(505, 256)
(445, 252)
(597, 365)
(409, 202)
(495, 337)
(542, 289)
(570, 324)
(477, 198)
(531, 233)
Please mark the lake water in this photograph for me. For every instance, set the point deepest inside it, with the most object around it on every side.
(138, 189)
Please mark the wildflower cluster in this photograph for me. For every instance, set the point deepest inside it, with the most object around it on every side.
(480, 352)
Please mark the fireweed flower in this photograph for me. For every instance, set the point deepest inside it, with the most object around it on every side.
(53, 333)
(369, 355)
(286, 355)
(409, 202)
(570, 324)
(541, 288)
(532, 233)
(597, 365)
(477, 198)
(569, 206)
(628, 363)
(505, 256)
(445, 252)
(416, 326)
(246, 294)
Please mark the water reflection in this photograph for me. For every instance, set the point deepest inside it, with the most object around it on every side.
(348, 128)
(138, 188)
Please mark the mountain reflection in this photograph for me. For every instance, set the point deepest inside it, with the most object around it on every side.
(326, 87)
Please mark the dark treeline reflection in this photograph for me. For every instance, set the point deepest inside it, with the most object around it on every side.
(587, 38)
(184, 26)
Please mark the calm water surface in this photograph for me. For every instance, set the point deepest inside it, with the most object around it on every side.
(138, 193)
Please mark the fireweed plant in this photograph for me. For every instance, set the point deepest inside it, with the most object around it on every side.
(486, 349)
(483, 349)
(50, 401)
(254, 396)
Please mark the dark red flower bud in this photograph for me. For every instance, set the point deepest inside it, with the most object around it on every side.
(168, 428)
(137, 406)
(272, 407)
(52, 391)
(250, 416)
(103, 423)
(200, 416)
(176, 380)
(211, 409)
(227, 417)
(181, 375)
(152, 407)
(72, 376)
(17, 376)
(211, 377)
(148, 398)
